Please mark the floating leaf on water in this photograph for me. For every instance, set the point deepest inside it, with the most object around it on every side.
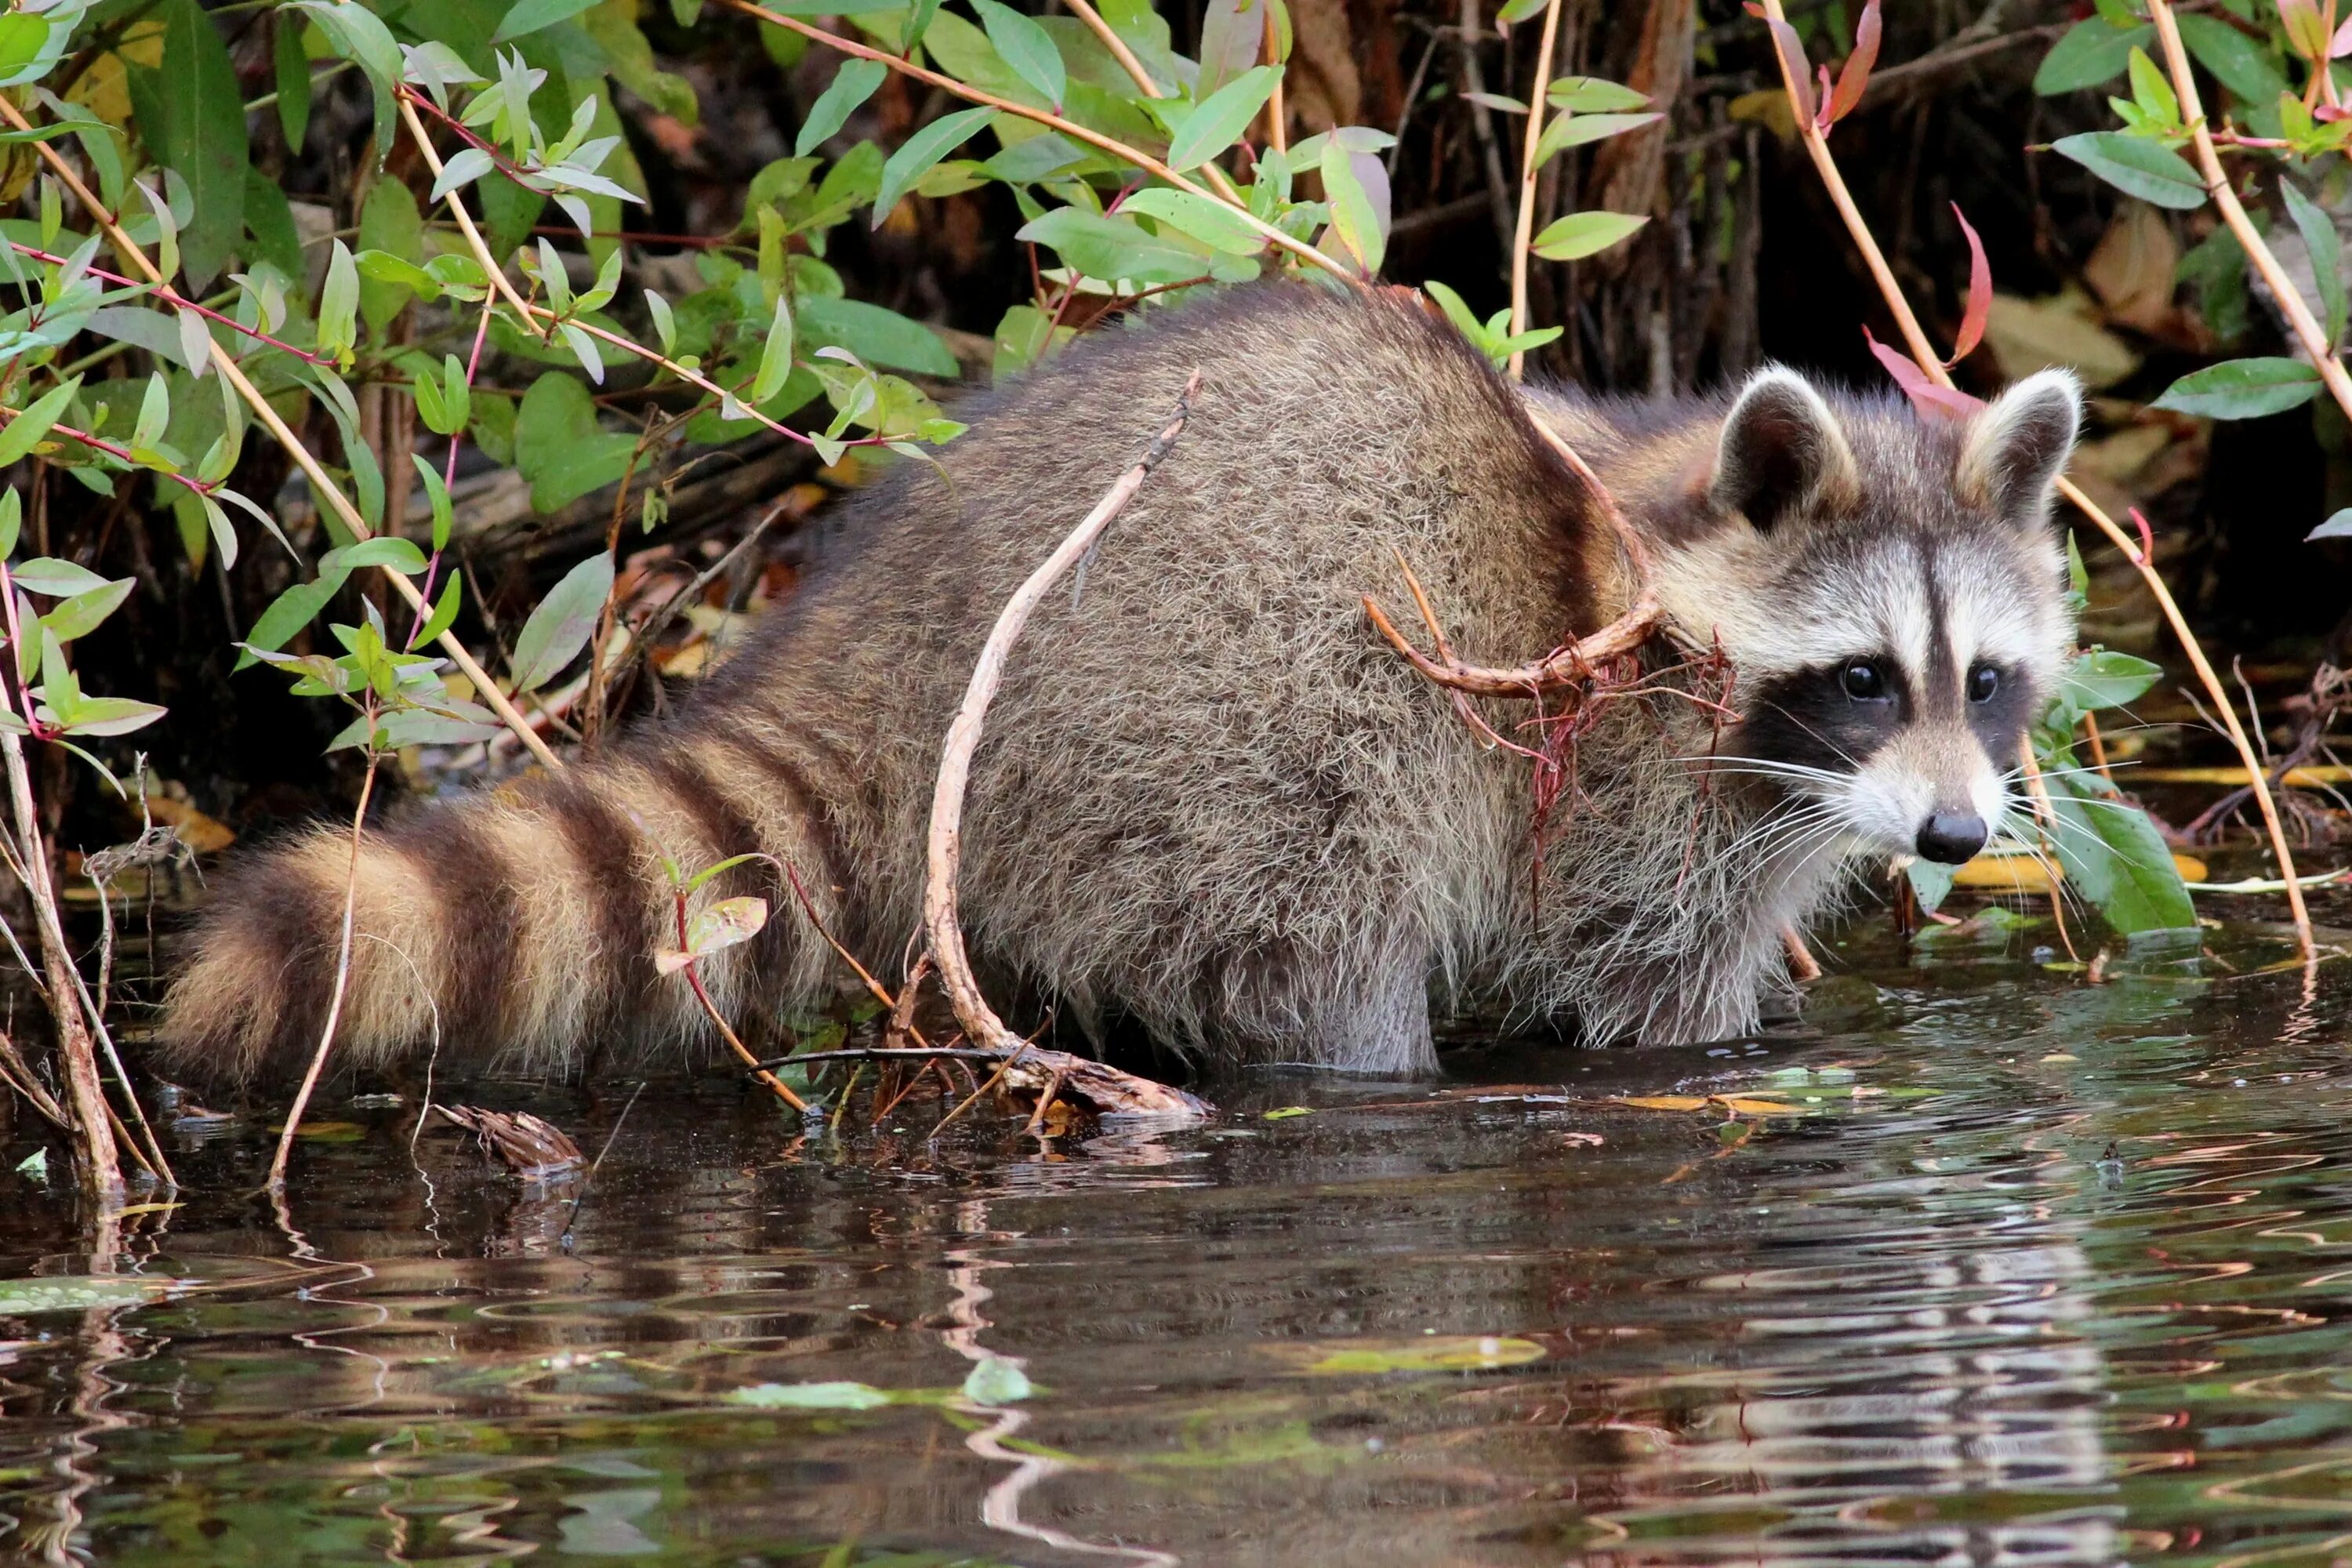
(1289, 1111)
(80, 1292)
(810, 1396)
(997, 1382)
(1436, 1352)
(1744, 1105)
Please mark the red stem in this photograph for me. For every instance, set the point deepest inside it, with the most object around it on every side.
(173, 297)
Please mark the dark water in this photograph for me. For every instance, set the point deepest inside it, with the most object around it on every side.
(2040, 1272)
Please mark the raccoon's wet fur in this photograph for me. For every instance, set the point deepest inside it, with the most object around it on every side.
(1209, 801)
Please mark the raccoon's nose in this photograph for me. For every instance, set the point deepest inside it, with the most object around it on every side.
(1951, 836)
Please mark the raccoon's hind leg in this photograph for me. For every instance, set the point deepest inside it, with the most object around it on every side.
(1359, 1012)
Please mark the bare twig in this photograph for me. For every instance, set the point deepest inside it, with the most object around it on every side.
(1104, 1087)
(342, 977)
(1569, 667)
(1803, 965)
(2045, 822)
(1931, 365)
(1523, 235)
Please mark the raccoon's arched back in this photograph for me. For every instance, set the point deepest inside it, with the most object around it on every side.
(1210, 799)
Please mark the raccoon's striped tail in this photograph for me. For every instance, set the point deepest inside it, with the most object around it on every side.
(520, 923)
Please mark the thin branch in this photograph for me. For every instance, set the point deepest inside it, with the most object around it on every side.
(2045, 822)
(1931, 365)
(342, 977)
(1571, 666)
(1104, 1087)
(1522, 238)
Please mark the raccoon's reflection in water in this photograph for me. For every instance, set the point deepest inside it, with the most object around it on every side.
(1934, 1319)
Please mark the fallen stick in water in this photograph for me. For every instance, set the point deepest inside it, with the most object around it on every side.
(1027, 1066)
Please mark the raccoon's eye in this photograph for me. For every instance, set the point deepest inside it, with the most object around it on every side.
(1861, 680)
(1983, 681)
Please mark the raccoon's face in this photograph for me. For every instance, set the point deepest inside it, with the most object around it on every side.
(1890, 593)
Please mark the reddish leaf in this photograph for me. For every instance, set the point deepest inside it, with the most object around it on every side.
(2306, 31)
(1973, 320)
(1822, 115)
(1930, 399)
(2341, 45)
(1853, 77)
(1792, 64)
(2147, 535)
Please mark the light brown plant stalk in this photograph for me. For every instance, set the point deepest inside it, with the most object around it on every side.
(1567, 668)
(1104, 1087)
(1803, 965)
(342, 980)
(1931, 364)
(1523, 237)
(2045, 821)
(322, 487)
(1076, 131)
(2308, 329)
(98, 1164)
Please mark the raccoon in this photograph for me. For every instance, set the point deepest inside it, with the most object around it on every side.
(1209, 801)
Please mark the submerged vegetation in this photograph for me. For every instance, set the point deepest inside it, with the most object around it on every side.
(419, 384)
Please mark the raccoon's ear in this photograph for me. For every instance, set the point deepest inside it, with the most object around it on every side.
(2018, 447)
(1782, 450)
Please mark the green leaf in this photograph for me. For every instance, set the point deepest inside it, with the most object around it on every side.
(29, 427)
(1580, 235)
(1212, 221)
(1931, 884)
(293, 67)
(2327, 248)
(2113, 856)
(1593, 95)
(560, 628)
(2150, 92)
(85, 612)
(1219, 119)
(2136, 167)
(851, 86)
(2338, 526)
(2237, 61)
(401, 555)
(559, 446)
(1576, 130)
(2242, 388)
(923, 149)
(1111, 248)
(878, 336)
(776, 354)
(996, 1381)
(287, 613)
(809, 1396)
(339, 304)
(11, 522)
(444, 609)
(202, 136)
(2105, 679)
(389, 223)
(531, 16)
(2092, 53)
(726, 923)
(1027, 47)
(110, 716)
(57, 579)
(1359, 222)
(358, 35)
